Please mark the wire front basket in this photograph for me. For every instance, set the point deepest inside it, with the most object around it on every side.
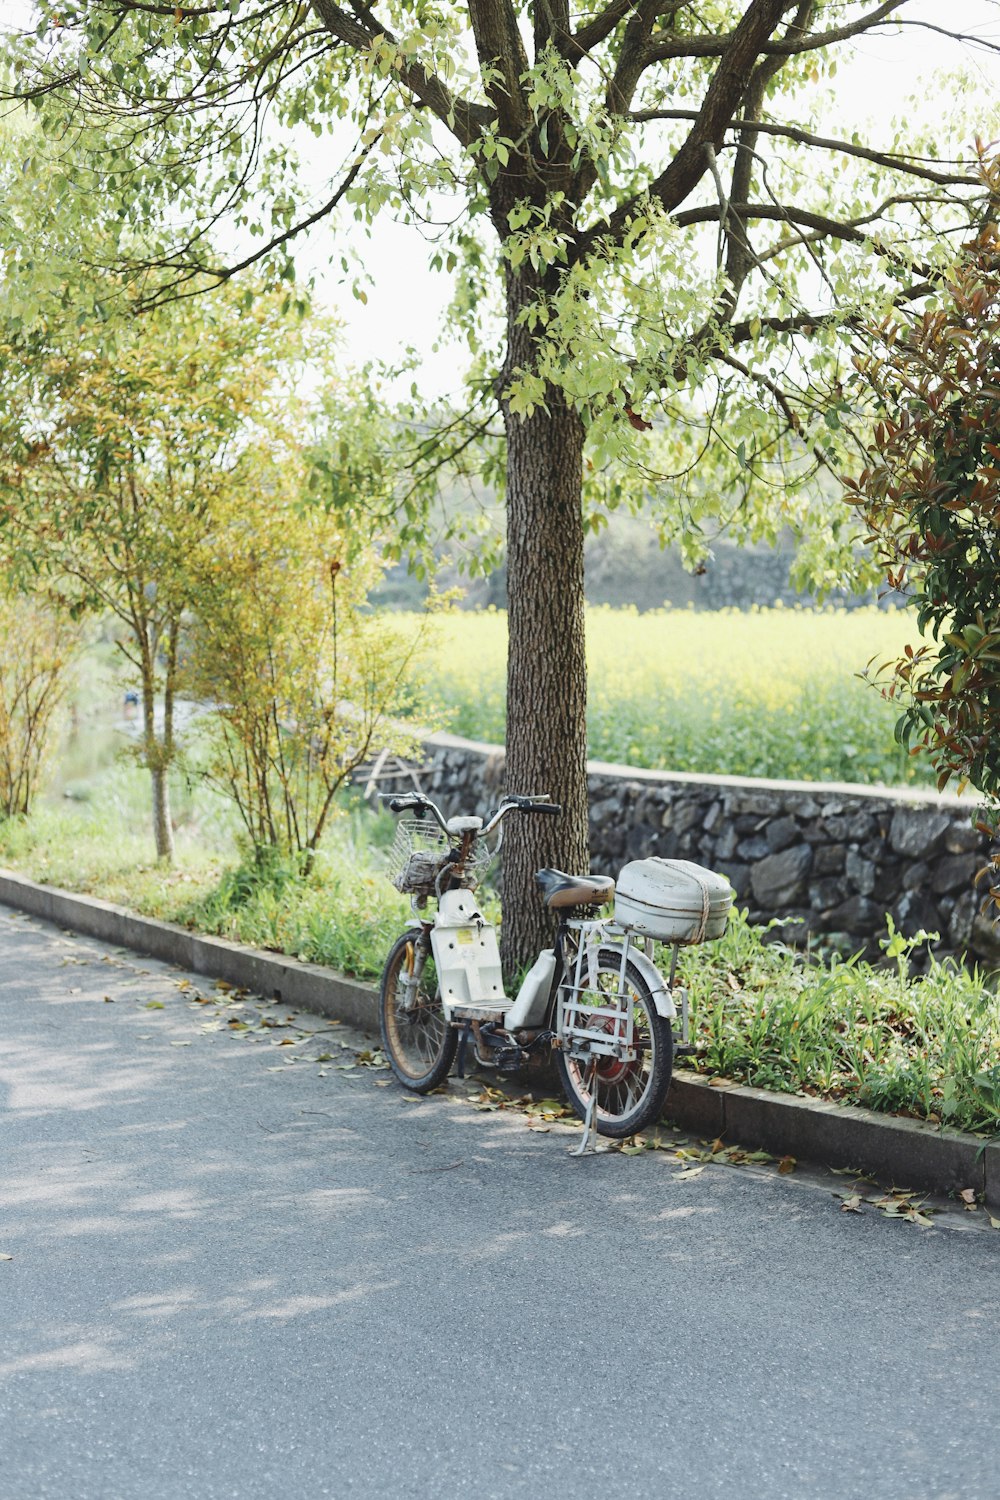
(420, 852)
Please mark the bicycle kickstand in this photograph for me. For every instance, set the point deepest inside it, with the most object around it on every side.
(589, 1143)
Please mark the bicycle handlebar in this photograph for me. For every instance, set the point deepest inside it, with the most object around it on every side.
(512, 803)
(532, 804)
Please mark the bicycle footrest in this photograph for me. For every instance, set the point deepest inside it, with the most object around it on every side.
(685, 1049)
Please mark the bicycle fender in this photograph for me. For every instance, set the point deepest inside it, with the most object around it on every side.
(658, 987)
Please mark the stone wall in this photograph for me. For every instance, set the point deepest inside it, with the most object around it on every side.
(826, 860)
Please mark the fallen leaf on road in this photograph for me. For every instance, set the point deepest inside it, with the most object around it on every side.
(994, 1223)
(155, 1005)
(851, 1204)
(180, 1044)
(689, 1172)
(786, 1165)
(6, 1257)
(968, 1197)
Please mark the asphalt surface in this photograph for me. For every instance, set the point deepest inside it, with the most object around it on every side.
(242, 1263)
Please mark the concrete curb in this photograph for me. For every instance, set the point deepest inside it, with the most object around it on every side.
(308, 986)
(908, 1153)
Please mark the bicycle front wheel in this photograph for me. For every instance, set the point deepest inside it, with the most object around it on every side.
(630, 1091)
(416, 1039)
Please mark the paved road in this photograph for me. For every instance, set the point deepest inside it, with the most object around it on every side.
(235, 1275)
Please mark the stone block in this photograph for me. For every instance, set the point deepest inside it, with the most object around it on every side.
(825, 894)
(952, 872)
(781, 833)
(725, 846)
(738, 876)
(963, 838)
(746, 823)
(960, 922)
(690, 815)
(984, 940)
(860, 825)
(644, 840)
(914, 910)
(753, 849)
(779, 880)
(916, 876)
(857, 915)
(918, 832)
(828, 859)
(860, 872)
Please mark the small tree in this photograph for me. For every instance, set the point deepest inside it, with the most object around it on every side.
(930, 494)
(307, 685)
(118, 446)
(37, 646)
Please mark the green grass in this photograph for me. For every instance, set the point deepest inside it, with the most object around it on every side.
(925, 1046)
(98, 841)
(771, 692)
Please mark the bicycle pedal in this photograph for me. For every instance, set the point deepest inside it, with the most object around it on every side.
(509, 1059)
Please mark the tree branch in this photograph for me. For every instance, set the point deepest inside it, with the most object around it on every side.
(711, 123)
(716, 46)
(500, 50)
(889, 159)
(465, 120)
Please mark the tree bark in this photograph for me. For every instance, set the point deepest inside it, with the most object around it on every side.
(155, 753)
(547, 666)
(162, 826)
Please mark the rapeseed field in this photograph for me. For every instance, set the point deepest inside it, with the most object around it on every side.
(766, 692)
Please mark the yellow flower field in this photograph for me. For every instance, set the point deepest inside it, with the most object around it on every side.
(772, 692)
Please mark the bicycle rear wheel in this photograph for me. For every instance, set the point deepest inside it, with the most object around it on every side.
(630, 1091)
(416, 1039)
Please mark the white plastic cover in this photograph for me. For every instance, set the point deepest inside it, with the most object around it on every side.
(672, 900)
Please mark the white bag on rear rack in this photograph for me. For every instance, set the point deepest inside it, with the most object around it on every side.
(672, 900)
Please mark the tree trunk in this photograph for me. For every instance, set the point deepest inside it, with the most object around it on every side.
(156, 761)
(162, 826)
(547, 667)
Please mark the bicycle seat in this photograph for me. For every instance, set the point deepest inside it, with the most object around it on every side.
(559, 889)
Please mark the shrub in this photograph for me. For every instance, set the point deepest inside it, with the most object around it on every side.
(37, 647)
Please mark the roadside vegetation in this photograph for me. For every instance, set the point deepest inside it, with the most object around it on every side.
(886, 1037)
